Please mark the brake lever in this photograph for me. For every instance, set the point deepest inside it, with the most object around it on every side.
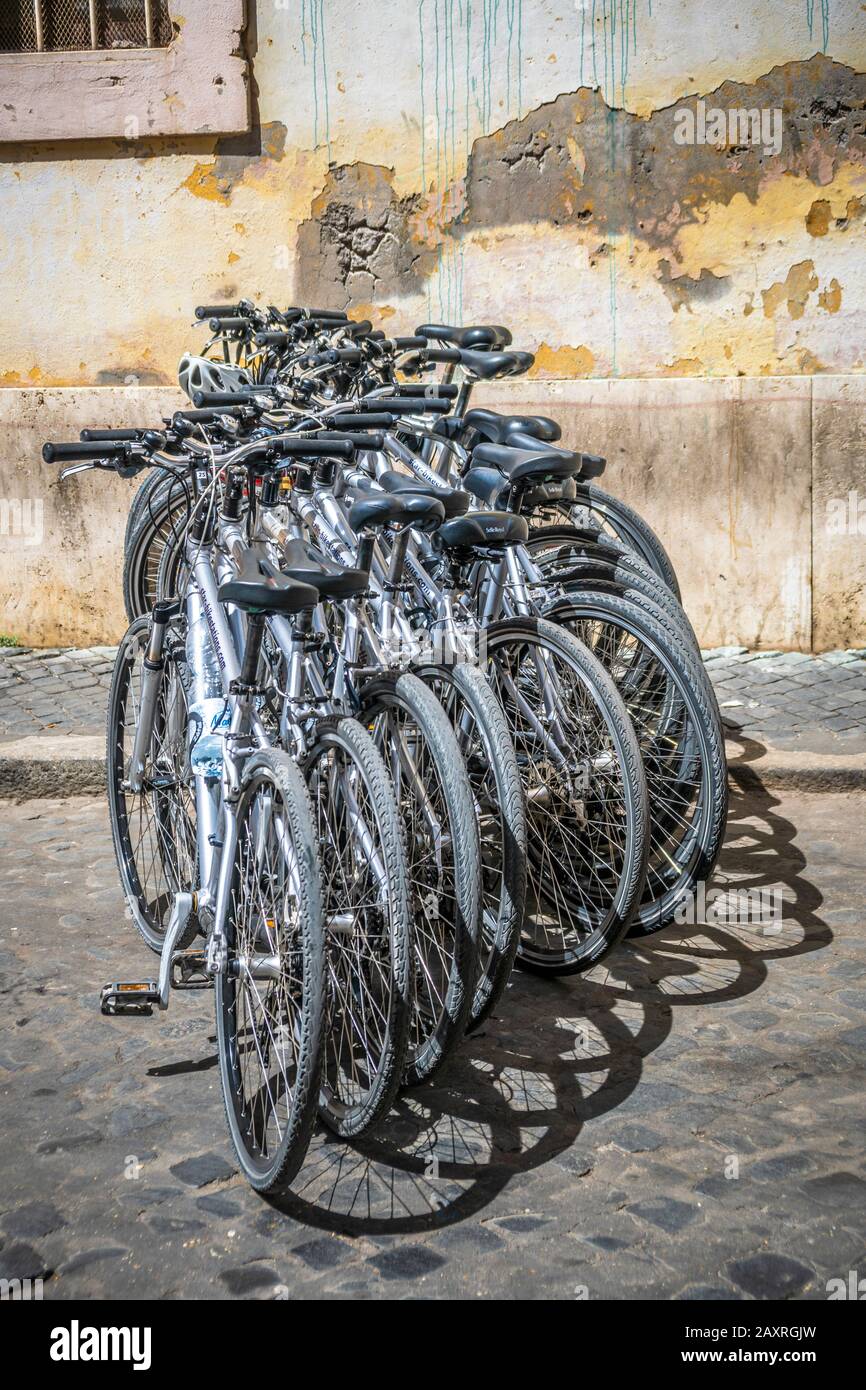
(74, 468)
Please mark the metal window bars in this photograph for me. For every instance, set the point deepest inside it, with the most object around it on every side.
(52, 26)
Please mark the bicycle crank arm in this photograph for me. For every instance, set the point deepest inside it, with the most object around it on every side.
(139, 996)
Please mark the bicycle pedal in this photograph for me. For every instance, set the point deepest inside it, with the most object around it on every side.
(189, 971)
(130, 997)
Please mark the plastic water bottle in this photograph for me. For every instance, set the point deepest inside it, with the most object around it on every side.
(209, 711)
(209, 721)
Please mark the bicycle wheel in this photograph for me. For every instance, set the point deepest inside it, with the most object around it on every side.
(586, 797)
(270, 1009)
(367, 925)
(673, 709)
(158, 513)
(434, 795)
(614, 518)
(627, 525)
(478, 720)
(567, 557)
(153, 830)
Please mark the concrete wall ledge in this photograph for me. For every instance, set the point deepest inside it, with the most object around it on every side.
(757, 486)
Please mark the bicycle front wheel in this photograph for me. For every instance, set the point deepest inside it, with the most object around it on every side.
(586, 796)
(481, 728)
(434, 795)
(367, 925)
(270, 1009)
(154, 828)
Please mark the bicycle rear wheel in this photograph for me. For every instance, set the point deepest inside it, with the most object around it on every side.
(671, 704)
(567, 557)
(616, 519)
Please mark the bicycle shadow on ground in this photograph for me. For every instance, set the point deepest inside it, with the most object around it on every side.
(559, 1054)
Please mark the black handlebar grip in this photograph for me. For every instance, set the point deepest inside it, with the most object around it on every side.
(216, 311)
(82, 449)
(372, 439)
(273, 338)
(408, 344)
(127, 436)
(328, 315)
(359, 329)
(334, 357)
(221, 325)
(409, 405)
(204, 417)
(328, 448)
(375, 419)
(203, 399)
(444, 390)
(443, 355)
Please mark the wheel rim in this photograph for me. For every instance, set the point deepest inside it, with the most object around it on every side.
(157, 824)
(430, 857)
(264, 989)
(577, 822)
(673, 746)
(358, 930)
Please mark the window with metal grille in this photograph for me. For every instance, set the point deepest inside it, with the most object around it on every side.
(54, 26)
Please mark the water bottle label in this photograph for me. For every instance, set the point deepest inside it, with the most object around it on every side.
(208, 721)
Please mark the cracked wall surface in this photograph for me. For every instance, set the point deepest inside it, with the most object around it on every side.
(517, 160)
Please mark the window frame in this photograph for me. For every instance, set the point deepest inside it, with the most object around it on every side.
(38, 10)
(196, 86)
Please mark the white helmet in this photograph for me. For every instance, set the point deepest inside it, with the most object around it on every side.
(202, 374)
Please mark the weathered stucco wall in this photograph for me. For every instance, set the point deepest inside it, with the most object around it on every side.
(518, 159)
(538, 162)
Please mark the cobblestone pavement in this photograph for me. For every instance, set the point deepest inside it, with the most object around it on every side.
(685, 1122)
(814, 704)
(787, 699)
(54, 691)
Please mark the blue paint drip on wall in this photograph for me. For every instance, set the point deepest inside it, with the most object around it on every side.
(825, 21)
(313, 26)
(470, 59)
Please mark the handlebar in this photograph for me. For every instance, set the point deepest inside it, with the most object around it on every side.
(374, 419)
(333, 357)
(222, 325)
(203, 399)
(85, 449)
(443, 355)
(444, 390)
(372, 439)
(217, 311)
(407, 405)
(125, 436)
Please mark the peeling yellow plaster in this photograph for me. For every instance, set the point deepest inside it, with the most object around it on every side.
(794, 290)
(818, 218)
(831, 298)
(684, 366)
(202, 183)
(562, 361)
(727, 231)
